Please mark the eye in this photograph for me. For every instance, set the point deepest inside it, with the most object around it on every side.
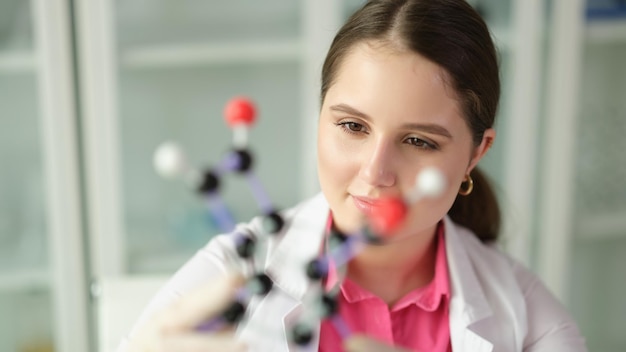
(351, 127)
(421, 144)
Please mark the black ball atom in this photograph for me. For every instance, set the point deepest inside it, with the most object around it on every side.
(301, 334)
(273, 223)
(210, 182)
(246, 247)
(316, 270)
(338, 236)
(234, 313)
(263, 284)
(244, 160)
(330, 305)
(371, 237)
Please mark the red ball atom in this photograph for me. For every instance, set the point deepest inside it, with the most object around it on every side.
(387, 215)
(239, 111)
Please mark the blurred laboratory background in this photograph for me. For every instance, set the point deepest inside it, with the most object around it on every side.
(90, 88)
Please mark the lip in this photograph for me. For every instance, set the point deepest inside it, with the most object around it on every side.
(366, 205)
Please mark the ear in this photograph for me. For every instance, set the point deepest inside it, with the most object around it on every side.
(488, 138)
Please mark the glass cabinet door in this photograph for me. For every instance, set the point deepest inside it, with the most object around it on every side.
(598, 258)
(582, 238)
(25, 305)
(176, 65)
(179, 66)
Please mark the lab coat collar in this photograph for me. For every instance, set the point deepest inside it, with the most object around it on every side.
(468, 305)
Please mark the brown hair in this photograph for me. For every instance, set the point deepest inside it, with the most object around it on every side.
(451, 34)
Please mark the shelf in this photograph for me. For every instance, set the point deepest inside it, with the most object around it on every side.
(200, 54)
(605, 31)
(18, 62)
(24, 280)
(164, 263)
(602, 226)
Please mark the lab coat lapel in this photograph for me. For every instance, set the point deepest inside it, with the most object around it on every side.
(468, 305)
(300, 244)
(263, 332)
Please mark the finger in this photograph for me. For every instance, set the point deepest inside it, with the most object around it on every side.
(214, 342)
(359, 343)
(203, 303)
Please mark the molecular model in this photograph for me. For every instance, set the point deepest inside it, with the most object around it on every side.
(240, 115)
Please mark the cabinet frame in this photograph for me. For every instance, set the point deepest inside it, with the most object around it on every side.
(57, 95)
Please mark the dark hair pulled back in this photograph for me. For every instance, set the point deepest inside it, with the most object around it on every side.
(451, 34)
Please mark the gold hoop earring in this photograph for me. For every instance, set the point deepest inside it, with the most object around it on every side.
(470, 186)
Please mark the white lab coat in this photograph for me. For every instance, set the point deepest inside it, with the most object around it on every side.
(496, 304)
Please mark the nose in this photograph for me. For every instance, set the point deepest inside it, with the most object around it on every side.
(377, 165)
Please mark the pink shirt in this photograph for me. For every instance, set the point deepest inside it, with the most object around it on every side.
(418, 321)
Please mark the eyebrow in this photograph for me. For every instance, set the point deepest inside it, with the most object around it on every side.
(425, 127)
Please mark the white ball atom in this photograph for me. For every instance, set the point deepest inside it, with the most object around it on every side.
(430, 182)
(169, 160)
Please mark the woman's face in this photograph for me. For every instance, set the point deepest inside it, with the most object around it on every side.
(388, 115)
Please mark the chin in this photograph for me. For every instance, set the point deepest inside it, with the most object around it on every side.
(348, 224)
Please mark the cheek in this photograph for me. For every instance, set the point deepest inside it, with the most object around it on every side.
(454, 175)
(453, 163)
(334, 167)
(428, 212)
(425, 214)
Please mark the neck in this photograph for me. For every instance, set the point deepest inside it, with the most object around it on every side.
(392, 270)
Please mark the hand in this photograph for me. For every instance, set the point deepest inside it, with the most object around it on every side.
(360, 343)
(174, 328)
